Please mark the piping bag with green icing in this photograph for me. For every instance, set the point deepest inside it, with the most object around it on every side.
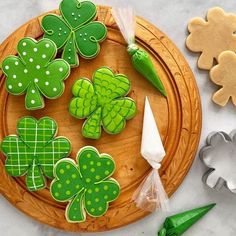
(176, 225)
(151, 195)
(125, 19)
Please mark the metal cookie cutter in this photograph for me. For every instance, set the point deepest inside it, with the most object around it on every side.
(220, 156)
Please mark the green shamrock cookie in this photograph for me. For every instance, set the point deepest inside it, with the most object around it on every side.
(86, 185)
(34, 72)
(75, 31)
(34, 151)
(103, 102)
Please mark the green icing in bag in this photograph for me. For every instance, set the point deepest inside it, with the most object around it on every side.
(143, 64)
(176, 225)
(125, 19)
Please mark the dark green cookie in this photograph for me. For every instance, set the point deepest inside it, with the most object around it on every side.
(75, 31)
(34, 72)
(102, 102)
(86, 185)
(34, 151)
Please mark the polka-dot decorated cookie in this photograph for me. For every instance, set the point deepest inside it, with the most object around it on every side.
(102, 102)
(34, 72)
(34, 151)
(75, 31)
(86, 185)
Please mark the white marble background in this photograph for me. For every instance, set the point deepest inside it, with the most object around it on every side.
(171, 17)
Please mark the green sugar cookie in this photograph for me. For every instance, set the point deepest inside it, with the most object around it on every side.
(75, 31)
(102, 102)
(86, 185)
(34, 72)
(34, 151)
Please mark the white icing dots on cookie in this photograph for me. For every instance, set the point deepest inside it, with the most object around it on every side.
(14, 76)
(85, 39)
(44, 56)
(31, 59)
(47, 72)
(7, 67)
(80, 35)
(61, 69)
(79, 15)
(24, 53)
(33, 91)
(65, 32)
(32, 101)
(38, 67)
(54, 89)
(72, 13)
(20, 84)
(35, 49)
(47, 45)
(25, 71)
(85, 34)
(10, 86)
(60, 29)
(75, 19)
(36, 80)
(114, 192)
(46, 83)
(24, 44)
(16, 63)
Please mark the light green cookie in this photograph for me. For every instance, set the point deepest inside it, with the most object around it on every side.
(34, 151)
(102, 102)
(75, 31)
(86, 185)
(34, 72)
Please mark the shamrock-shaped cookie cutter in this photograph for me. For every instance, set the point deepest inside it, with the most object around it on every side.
(220, 156)
(102, 102)
(86, 185)
(34, 72)
(75, 31)
(34, 151)
(212, 36)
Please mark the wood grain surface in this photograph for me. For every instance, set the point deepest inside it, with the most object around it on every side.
(178, 117)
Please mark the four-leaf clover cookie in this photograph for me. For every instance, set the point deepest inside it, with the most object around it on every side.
(75, 31)
(212, 36)
(102, 102)
(34, 72)
(34, 151)
(86, 185)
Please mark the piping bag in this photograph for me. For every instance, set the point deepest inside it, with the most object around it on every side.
(178, 224)
(151, 195)
(125, 19)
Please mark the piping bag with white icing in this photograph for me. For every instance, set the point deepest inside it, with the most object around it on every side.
(125, 19)
(151, 195)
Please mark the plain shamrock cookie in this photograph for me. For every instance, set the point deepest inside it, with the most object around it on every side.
(224, 75)
(212, 36)
(102, 102)
(75, 31)
(86, 185)
(34, 72)
(34, 151)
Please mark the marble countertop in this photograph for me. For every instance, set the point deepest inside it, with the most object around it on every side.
(171, 17)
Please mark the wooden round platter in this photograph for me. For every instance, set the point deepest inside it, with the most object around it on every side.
(178, 117)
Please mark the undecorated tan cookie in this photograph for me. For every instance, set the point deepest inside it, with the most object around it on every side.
(224, 74)
(212, 36)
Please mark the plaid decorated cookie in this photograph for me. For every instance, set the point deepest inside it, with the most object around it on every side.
(86, 185)
(34, 151)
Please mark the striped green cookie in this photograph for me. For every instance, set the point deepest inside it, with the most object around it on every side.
(103, 102)
(34, 151)
(86, 185)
